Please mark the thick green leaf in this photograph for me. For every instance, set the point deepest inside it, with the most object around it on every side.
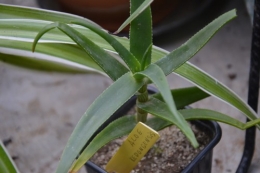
(197, 76)
(184, 96)
(134, 14)
(125, 54)
(6, 163)
(157, 108)
(112, 67)
(188, 71)
(156, 75)
(140, 32)
(162, 111)
(146, 58)
(182, 54)
(192, 72)
(10, 30)
(215, 88)
(157, 123)
(98, 112)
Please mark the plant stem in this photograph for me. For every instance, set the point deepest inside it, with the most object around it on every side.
(142, 96)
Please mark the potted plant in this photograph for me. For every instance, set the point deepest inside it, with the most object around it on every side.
(143, 64)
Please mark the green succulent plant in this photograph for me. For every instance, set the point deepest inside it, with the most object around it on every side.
(138, 64)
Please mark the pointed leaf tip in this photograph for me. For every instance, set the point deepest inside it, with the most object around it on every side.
(139, 10)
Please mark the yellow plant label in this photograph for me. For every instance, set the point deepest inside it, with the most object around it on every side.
(137, 144)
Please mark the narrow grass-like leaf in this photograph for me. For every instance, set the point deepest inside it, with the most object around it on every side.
(112, 67)
(134, 14)
(205, 114)
(27, 29)
(140, 32)
(44, 30)
(156, 75)
(125, 54)
(6, 163)
(182, 54)
(19, 12)
(39, 64)
(99, 111)
(48, 55)
(159, 109)
(114, 130)
(184, 96)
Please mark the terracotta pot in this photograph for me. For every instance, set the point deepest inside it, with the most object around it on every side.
(110, 14)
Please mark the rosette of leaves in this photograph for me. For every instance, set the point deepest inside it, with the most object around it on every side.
(138, 64)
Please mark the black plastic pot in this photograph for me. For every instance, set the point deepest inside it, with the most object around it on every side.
(201, 163)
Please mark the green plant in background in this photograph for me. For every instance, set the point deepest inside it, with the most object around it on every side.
(139, 64)
(6, 163)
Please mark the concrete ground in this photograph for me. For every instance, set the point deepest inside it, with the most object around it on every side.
(39, 110)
